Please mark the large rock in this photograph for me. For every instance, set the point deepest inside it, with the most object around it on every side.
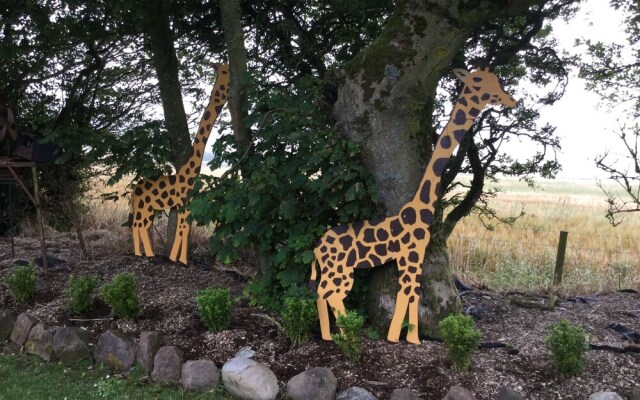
(605, 396)
(202, 375)
(40, 342)
(506, 393)
(116, 350)
(317, 383)
(148, 346)
(22, 328)
(7, 322)
(403, 394)
(635, 393)
(355, 393)
(167, 365)
(71, 344)
(250, 380)
(459, 393)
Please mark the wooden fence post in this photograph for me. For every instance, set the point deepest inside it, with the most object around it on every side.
(562, 248)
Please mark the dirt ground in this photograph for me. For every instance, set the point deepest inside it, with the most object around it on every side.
(167, 295)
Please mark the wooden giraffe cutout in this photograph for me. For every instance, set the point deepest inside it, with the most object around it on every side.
(165, 192)
(403, 237)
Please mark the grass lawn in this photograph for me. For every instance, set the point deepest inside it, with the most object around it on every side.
(27, 377)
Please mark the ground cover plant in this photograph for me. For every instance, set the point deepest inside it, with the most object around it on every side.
(80, 291)
(121, 295)
(568, 343)
(461, 339)
(22, 281)
(214, 307)
(349, 339)
(298, 319)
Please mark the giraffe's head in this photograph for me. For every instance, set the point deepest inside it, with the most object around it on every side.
(484, 84)
(221, 68)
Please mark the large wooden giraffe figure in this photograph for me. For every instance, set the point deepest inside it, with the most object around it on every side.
(165, 192)
(403, 237)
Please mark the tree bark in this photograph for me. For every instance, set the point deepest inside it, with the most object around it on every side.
(234, 37)
(160, 40)
(384, 103)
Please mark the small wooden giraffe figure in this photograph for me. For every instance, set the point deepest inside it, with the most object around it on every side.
(165, 192)
(403, 237)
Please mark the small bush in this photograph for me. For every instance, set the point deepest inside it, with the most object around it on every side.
(460, 337)
(121, 295)
(214, 307)
(298, 317)
(22, 281)
(567, 343)
(348, 340)
(80, 291)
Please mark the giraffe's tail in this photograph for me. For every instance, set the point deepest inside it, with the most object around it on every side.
(129, 222)
(313, 282)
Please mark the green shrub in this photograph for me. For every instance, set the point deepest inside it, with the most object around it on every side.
(567, 343)
(214, 307)
(460, 337)
(80, 291)
(22, 281)
(121, 295)
(298, 317)
(348, 340)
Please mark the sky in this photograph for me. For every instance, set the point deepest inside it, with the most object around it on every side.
(585, 128)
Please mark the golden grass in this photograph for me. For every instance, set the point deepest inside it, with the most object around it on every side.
(598, 257)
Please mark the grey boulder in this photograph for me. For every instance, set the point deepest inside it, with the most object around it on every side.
(458, 393)
(148, 346)
(506, 393)
(355, 393)
(167, 365)
(7, 322)
(403, 394)
(248, 379)
(71, 344)
(40, 342)
(317, 383)
(116, 350)
(605, 396)
(202, 375)
(21, 329)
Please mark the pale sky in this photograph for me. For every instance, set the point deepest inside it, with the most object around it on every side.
(585, 127)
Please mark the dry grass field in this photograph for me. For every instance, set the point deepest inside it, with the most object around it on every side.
(599, 257)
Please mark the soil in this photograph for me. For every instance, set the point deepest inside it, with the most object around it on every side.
(167, 293)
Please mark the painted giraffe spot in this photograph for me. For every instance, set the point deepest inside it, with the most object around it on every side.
(467, 90)
(459, 134)
(219, 108)
(147, 185)
(411, 299)
(357, 226)
(460, 118)
(341, 256)
(207, 115)
(462, 101)
(200, 132)
(346, 242)
(324, 270)
(407, 290)
(396, 227)
(413, 257)
(475, 99)
(160, 203)
(426, 216)
(324, 284)
(170, 202)
(402, 262)
(337, 281)
(375, 261)
(425, 193)
(333, 258)
(338, 290)
(172, 192)
(340, 229)
(138, 191)
(332, 274)
(182, 179)
(196, 140)
(326, 295)
(363, 264)
(339, 270)
(406, 279)
(198, 153)
(369, 235)
(197, 170)
(380, 249)
(147, 199)
(412, 269)
(140, 204)
(409, 216)
(351, 274)
(477, 79)
(477, 88)
(474, 112)
(330, 239)
(494, 101)
(155, 192)
(362, 250)
(162, 184)
(485, 96)
(333, 250)
(172, 180)
(164, 195)
(412, 246)
(394, 246)
(351, 258)
(438, 190)
(347, 291)
(439, 165)
(417, 290)
(330, 263)
(419, 233)
(323, 249)
(138, 215)
(406, 238)
(445, 142)
(382, 234)
(376, 221)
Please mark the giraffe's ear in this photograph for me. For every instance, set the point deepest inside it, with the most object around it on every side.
(461, 74)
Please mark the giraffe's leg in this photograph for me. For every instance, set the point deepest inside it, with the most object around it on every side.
(414, 301)
(180, 247)
(323, 316)
(135, 232)
(337, 306)
(146, 240)
(402, 302)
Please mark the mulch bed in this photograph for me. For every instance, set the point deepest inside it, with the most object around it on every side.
(167, 295)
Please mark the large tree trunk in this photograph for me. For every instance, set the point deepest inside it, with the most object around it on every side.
(384, 103)
(160, 40)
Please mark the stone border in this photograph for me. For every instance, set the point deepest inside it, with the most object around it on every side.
(241, 376)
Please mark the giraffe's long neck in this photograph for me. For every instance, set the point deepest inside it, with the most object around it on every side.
(466, 110)
(191, 168)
